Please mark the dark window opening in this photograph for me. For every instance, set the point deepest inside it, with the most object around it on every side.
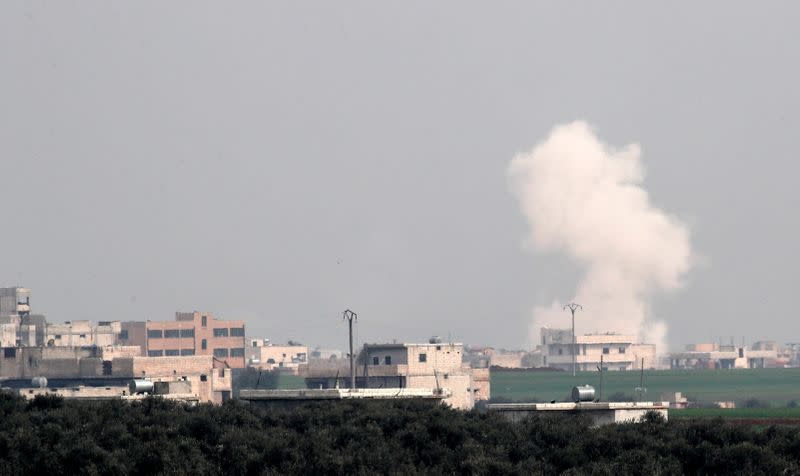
(154, 334)
(187, 351)
(239, 352)
(204, 321)
(423, 357)
(203, 378)
(220, 332)
(220, 352)
(155, 353)
(172, 333)
(622, 350)
(606, 350)
(107, 367)
(187, 332)
(376, 361)
(203, 344)
(387, 360)
(172, 352)
(9, 352)
(237, 331)
(123, 334)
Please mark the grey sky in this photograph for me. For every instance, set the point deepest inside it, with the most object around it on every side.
(281, 162)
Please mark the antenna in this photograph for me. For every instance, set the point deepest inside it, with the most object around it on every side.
(351, 316)
(573, 307)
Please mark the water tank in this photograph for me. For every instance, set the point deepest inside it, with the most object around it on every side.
(582, 393)
(435, 340)
(140, 386)
(39, 382)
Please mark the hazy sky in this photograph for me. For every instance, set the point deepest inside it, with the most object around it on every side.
(280, 162)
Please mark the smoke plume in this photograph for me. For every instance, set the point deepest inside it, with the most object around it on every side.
(585, 199)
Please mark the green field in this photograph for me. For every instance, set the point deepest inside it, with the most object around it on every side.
(776, 386)
(738, 413)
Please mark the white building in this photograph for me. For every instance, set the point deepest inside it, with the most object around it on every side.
(263, 355)
(618, 352)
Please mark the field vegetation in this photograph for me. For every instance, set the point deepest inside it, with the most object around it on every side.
(152, 436)
(774, 387)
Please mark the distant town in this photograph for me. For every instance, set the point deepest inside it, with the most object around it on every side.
(196, 356)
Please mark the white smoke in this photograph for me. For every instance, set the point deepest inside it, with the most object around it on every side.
(585, 199)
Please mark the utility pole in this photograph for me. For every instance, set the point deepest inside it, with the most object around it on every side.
(573, 307)
(351, 316)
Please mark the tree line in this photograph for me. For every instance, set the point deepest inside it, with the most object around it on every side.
(153, 436)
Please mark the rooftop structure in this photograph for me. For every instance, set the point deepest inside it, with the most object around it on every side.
(601, 413)
(263, 355)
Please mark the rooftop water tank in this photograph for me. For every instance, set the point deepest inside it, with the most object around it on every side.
(582, 393)
(140, 386)
(39, 382)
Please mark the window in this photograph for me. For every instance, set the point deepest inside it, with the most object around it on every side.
(203, 378)
(58, 336)
(203, 344)
(239, 352)
(220, 332)
(204, 321)
(270, 361)
(107, 367)
(237, 331)
(606, 350)
(423, 357)
(387, 360)
(82, 336)
(123, 334)
(187, 332)
(9, 353)
(154, 334)
(255, 343)
(376, 361)
(622, 350)
(438, 347)
(155, 353)
(172, 352)
(187, 351)
(220, 352)
(560, 351)
(172, 333)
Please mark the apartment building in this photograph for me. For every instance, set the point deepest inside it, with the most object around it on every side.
(198, 333)
(618, 352)
(82, 334)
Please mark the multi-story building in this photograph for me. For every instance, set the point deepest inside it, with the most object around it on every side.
(618, 352)
(434, 365)
(716, 356)
(18, 327)
(197, 333)
(263, 355)
(82, 334)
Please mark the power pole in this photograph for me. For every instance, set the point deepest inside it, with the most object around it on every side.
(351, 316)
(573, 307)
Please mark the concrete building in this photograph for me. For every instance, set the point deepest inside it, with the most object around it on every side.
(715, 356)
(113, 367)
(197, 333)
(263, 355)
(82, 334)
(434, 365)
(601, 413)
(18, 327)
(15, 302)
(619, 352)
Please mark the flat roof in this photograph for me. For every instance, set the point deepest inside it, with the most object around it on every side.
(343, 393)
(585, 406)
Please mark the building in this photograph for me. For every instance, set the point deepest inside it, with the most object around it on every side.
(18, 327)
(434, 365)
(263, 355)
(716, 356)
(111, 367)
(618, 352)
(82, 334)
(197, 333)
(15, 302)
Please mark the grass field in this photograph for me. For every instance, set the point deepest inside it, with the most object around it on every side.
(776, 386)
(738, 413)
